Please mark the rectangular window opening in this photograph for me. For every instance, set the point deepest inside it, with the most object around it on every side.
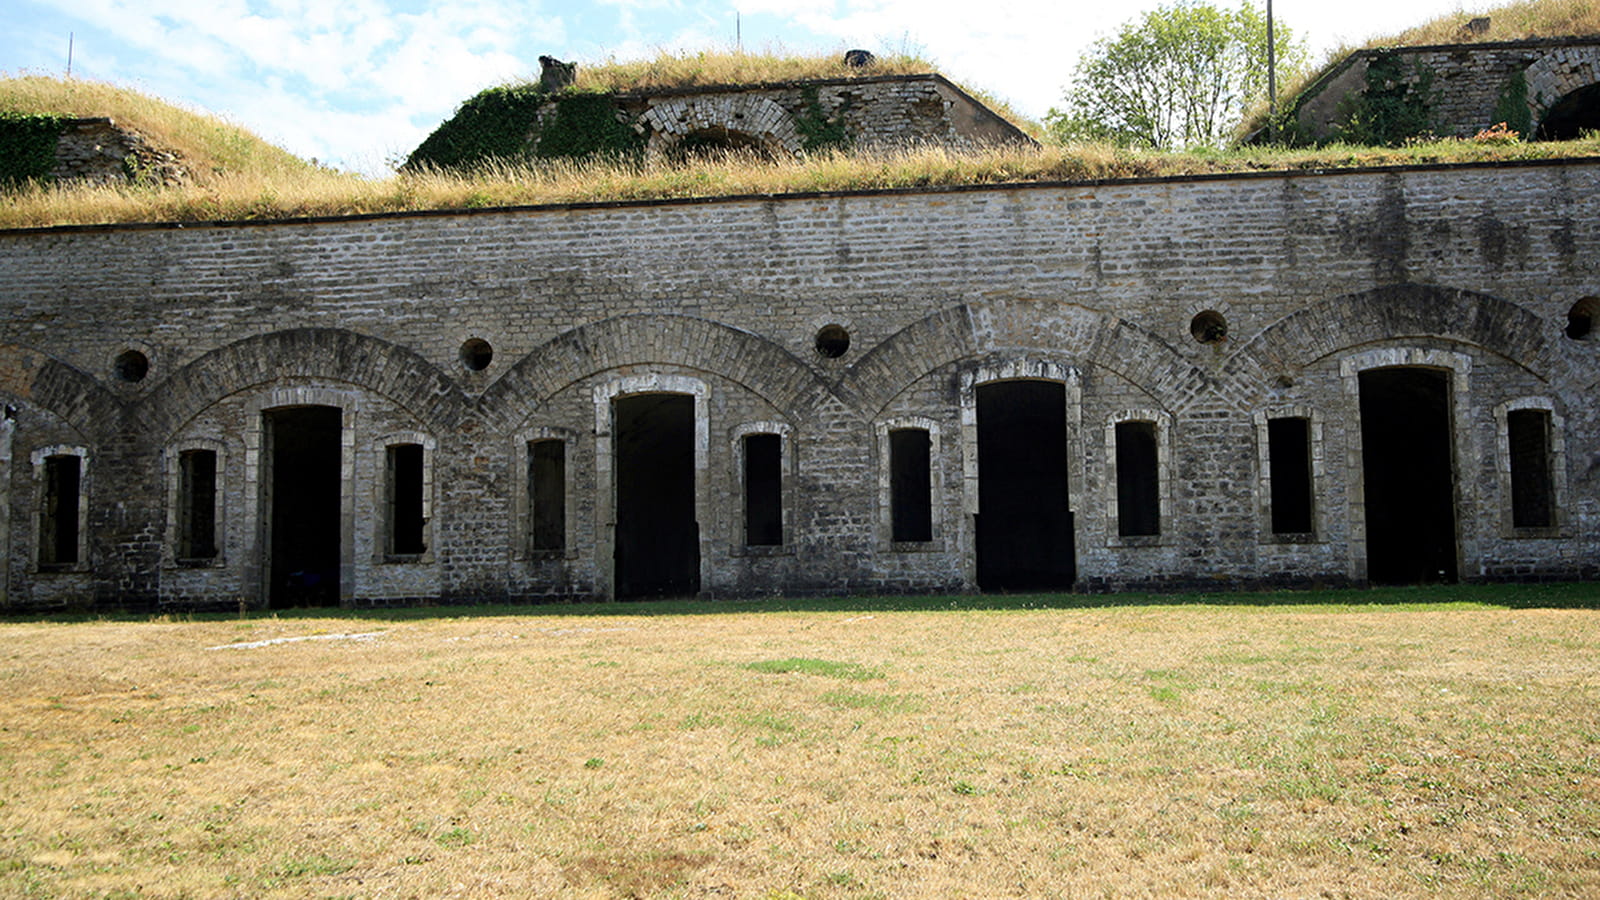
(197, 504)
(405, 493)
(910, 485)
(547, 495)
(1289, 468)
(763, 490)
(58, 520)
(1532, 496)
(1138, 480)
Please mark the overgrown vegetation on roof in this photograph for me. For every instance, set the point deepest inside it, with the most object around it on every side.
(273, 195)
(1522, 20)
(210, 146)
(721, 67)
(1518, 21)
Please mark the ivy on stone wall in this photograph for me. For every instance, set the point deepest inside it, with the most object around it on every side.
(523, 122)
(587, 123)
(1512, 107)
(1397, 104)
(817, 129)
(28, 146)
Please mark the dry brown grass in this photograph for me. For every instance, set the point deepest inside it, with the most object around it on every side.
(1131, 752)
(1508, 22)
(720, 67)
(245, 196)
(209, 145)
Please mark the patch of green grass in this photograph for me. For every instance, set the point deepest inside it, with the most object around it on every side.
(826, 668)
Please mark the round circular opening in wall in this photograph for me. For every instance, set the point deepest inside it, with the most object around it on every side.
(1580, 319)
(832, 341)
(1208, 327)
(476, 354)
(131, 366)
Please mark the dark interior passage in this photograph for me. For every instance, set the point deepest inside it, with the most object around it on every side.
(1138, 480)
(1532, 503)
(1024, 528)
(1572, 115)
(1289, 465)
(1409, 475)
(547, 494)
(658, 539)
(302, 501)
(910, 485)
(407, 524)
(763, 490)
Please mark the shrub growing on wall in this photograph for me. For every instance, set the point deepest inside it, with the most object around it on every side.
(28, 146)
(1397, 104)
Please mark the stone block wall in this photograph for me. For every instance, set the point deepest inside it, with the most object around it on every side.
(895, 110)
(1468, 86)
(100, 151)
(1468, 270)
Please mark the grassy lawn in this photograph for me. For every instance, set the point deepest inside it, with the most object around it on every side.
(1441, 742)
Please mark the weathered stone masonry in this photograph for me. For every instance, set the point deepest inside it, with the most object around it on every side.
(1173, 320)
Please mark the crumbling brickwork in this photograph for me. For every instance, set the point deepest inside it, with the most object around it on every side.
(1314, 279)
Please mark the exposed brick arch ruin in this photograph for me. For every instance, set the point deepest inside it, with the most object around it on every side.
(733, 121)
(1564, 92)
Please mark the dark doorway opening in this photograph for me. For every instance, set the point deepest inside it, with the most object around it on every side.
(658, 539)
(302, 498)
(1024, 529)
(1409, 474)
(1572, 115)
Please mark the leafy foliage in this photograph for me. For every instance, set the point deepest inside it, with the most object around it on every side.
(1512, 107)
(522, 122)
(1396, 106)
(28, 146)
(494, 124)
(1179, 76)
(585, 124)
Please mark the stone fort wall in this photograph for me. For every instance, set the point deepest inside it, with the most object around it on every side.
(126, 347)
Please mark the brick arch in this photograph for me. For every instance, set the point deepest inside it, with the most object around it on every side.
(325, 354)
(1385, 313)
(758, 364)
(48, 383)
(1058, 330)
(1559, 73)
(757, 118)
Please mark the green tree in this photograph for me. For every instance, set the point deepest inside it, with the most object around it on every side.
(1179, 76)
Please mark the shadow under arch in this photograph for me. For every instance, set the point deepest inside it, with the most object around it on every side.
(331, 354)
(1048, 329)
(747, 359)
(1387, 313)
(76, 397)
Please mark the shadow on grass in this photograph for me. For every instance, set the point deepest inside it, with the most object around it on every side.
(1564, 595)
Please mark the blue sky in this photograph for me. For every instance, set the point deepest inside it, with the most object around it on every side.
(355, 83)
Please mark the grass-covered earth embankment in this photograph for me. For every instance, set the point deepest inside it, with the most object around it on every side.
(1404, 743)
